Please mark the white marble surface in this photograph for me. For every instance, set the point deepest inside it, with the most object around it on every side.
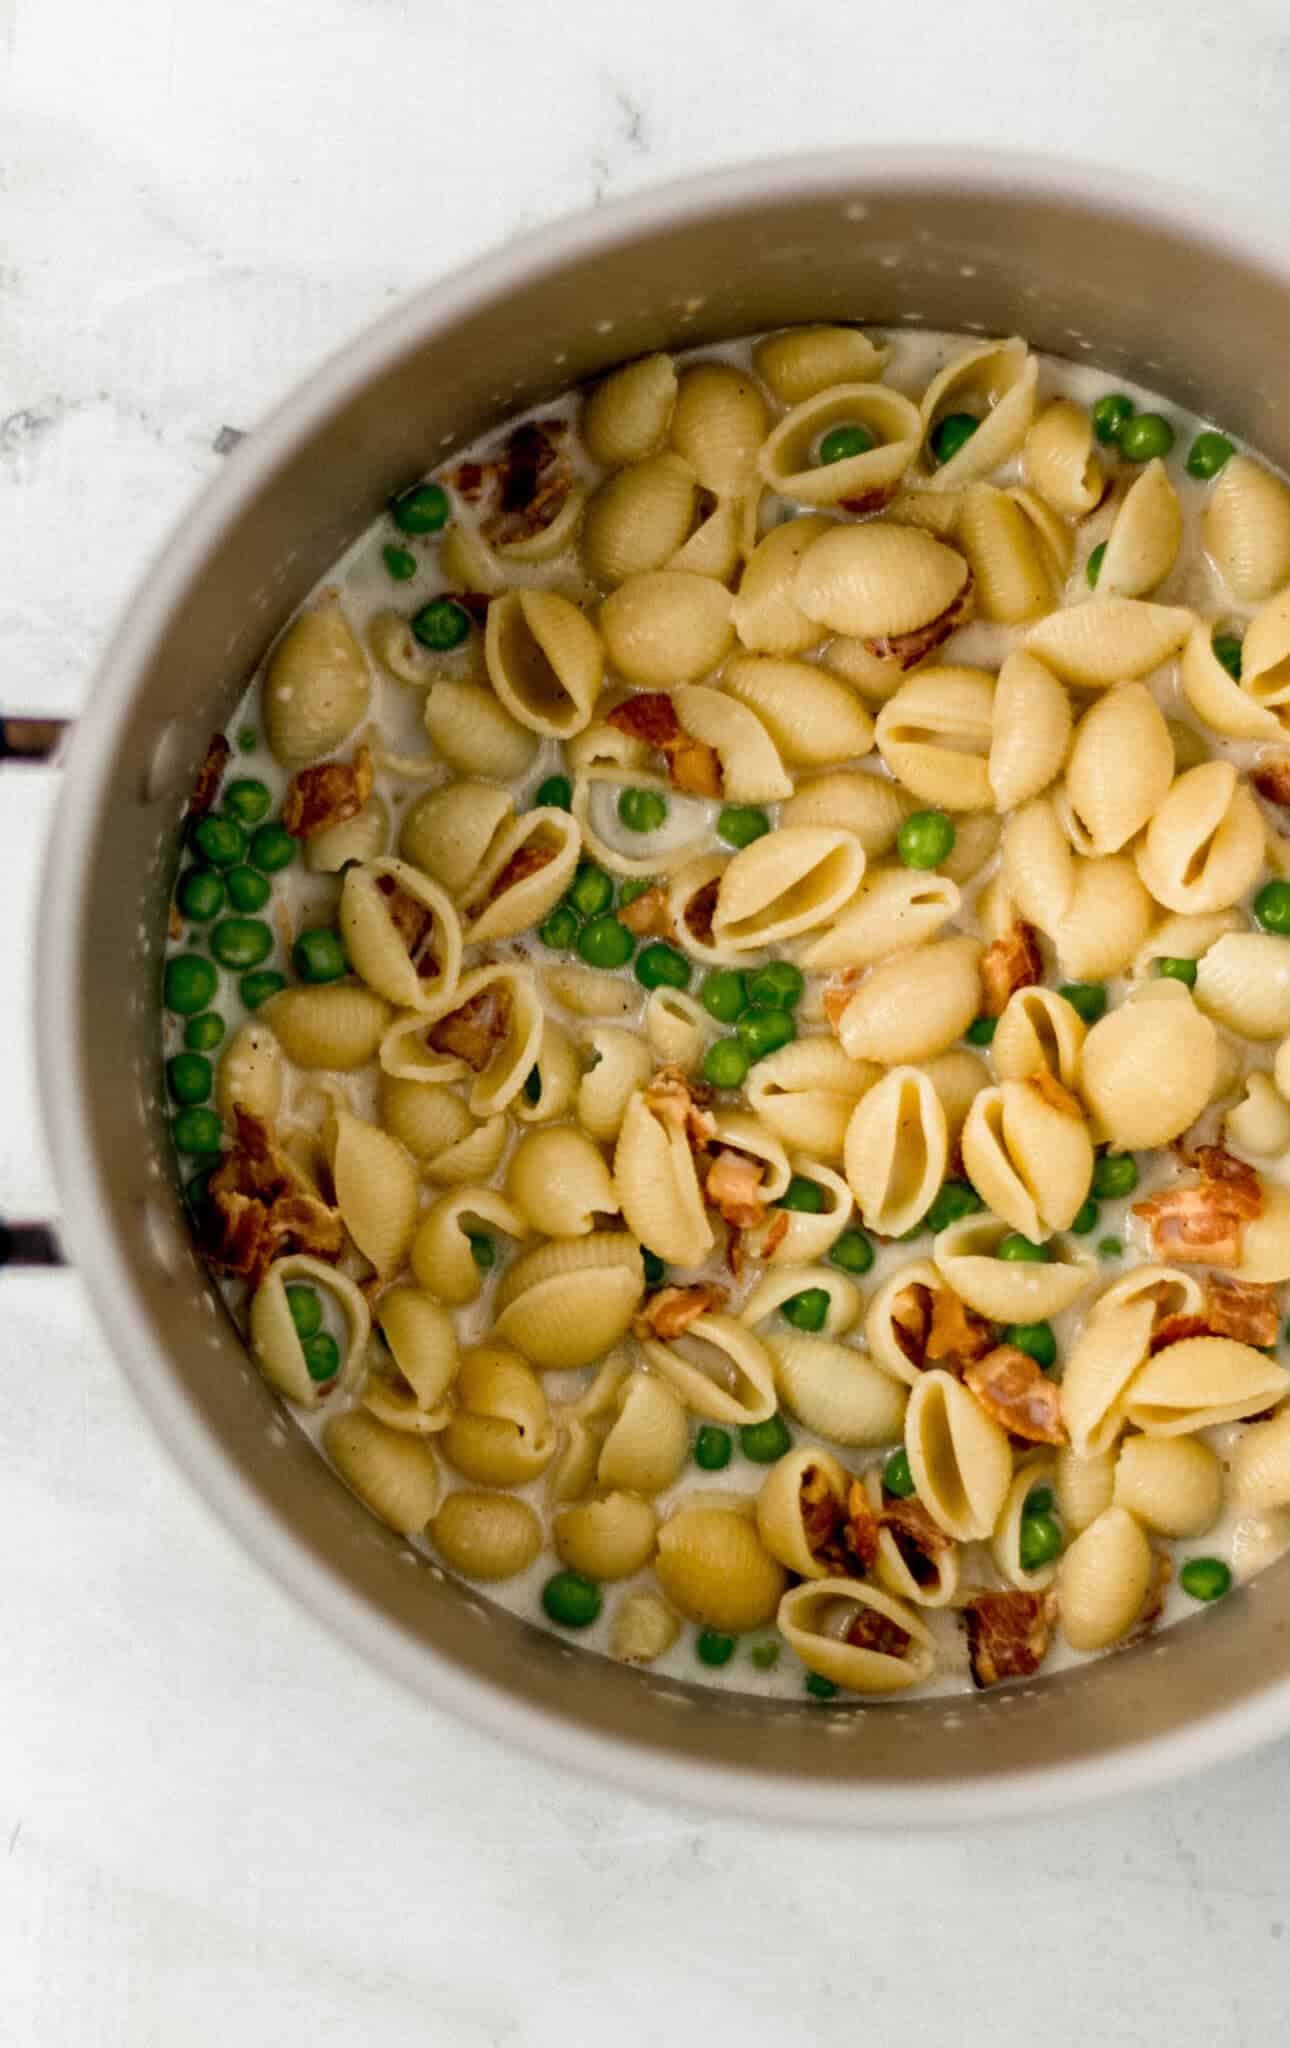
(213, 1826)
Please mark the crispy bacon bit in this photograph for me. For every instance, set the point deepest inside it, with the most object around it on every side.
(911, 1321)
(957, 1333)
(209, 776)
(1244, 1309)
(1201, 1224)
(700, 911)
(1008, 1635)
(682, 1104)
(775, 1234)
(837, 994)
(917, 1537)
(1010, 1386)
(1010, 963)
(524, 487)
(695, 768)
(858, 1535)
(878, 1632)
(670, 1311)
(260, 1206)
(327, 795)
(1050, 1090)
(476, 602)
(869, 501)
(650, 717)
(472, 1032)
(527, 860)
(733, 1188)
(1242, 1188)
(821, 1511)
(908, 649)
(1175, 1329)
(1272, 779)
(410, 918)
(647, 915)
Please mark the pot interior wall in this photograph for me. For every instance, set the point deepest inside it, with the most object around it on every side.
(1136, 298)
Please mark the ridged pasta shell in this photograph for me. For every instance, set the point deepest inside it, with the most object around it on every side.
(362, 837)
(785, 883)
(1243, 982)
(1201, 1381)
(622, 1065)
(1099, 1365)
(639, 517)
(896, 1151)
(569, 1302)
(1230, 707)
(549, 541)
(1265, 653)
(657, 1185)
(316, 687)
(605, 1539)
(1030, 730)
(1144, 541)
(1004, 1290)
(250, 1072)
(1182, 938)
(396, 647)
(875, 677)
(1108, 640)
(958, 1078)
(1102, 1581)
(1260, 1122)
(588, 993)
(627, 416)
(1172, 1485)
(472, 1158)
(275, 1342)
(475, 733)
(716, 545)
(658, 861)
(811, 1234)
(1247, 528)
(751, 769)
(959, 1456)
(718, 424)
(449, 830)
(1260, 1465)
(1148, 1068)
(376, 945)
(914, 1006)
(466, 561)
(376, 1191)
(867, 805)
(766, 615)
(801, 361)
(559, 1073)
(1017, 574)
(544, 660)
(560, 1181)
(500, 1431)
(935, 736)
(805, 1094)
(338, 1026)
(678, 1029)
(1030, 1160)
(783, 1283)
(1060, 460)
(837, 1390)
(1106, 920)
(714, 1568)
(644, 1628)
(423, 1342)
(1084, 1487)
(1204, 847)
(894, 910)
(813, 720)
(441, 1256)
(787, 462)
(393, 1474)
(1038, 865)
(507, 1057)
(1005, 1545)
(508, 894)
(486, 1536)
(814, 1620)
(1120, 768)
(720, 1370)
(649, 1437)
(1265, 1241)
(878, 582)
(667, 628)
(997, 378)
(803, 1475)
(1039, 1031)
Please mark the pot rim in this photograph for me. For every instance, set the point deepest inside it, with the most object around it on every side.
(905, 1802)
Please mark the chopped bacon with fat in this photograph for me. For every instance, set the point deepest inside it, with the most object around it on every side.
(1176, 1329)
(260, 1205)
(920, 1540)
(906, 650)
(1010, 963)
(693, 767)
(1241, 1186)
(1272, 779)
(733, 1188)
(1247, 1310)
(529, 859)
(682, 1105)
(474, 1031)
(911, 1321)
(1010, 1386)
(957, 1333)
(700, 911)
(1008, 1635)
(209, 776)
(647, 915)
(524, 488)
(327, 795)
(837, 995)
(670, 1312)
(1201, 1224)
(878, 1632)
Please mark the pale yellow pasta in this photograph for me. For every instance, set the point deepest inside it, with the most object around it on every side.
(1201, 1381)
(718, 424)
(959, 1457)
(627, 417)
(316, 687)
(869, 806)
(752, 771)
(1005, 1290)
(667, 628)
(837, 1390)
(606, 1539)
(801, 361)
(1084, 1487)
(1029, 1157)
(782, 1283)
(677, 1027)
(559, 1075)
(935, 736)
(657, 1184)
(393, 1474)
(995, 380)
(1183, 937)
(1172, 1485)
(805, 1094)
(602, 745)
(1226, 704)
(450, 830)
(1120, 769)
(549, 541)
(1005, 1543)
(1060, 459)
(876, 676)
(1106, 920)
(816, 1618)
(377, 945)
(1102, 1581)
(472, 1158)
(622, 1064)
(810, 1234)
(558, 1179)
(785, 883)
(648, 1440)
(467, 560)
(474, 733)
(362, 837)
(1243, 982)
(789, 463)
(766, 616)
(914, 1006)
(440, 1254)
(427, 1119)
(275, 1342)
(714, 1567)
(958, 1078)
(807, 1473)
(1144, 540)
(1038, 864)
(376, 1191)
(716, 545)
(501, 1060)
(719, 1368)
(639, 518)
(813, 720)
(508, 895)
(1108, 640)
(250, 1072)
(1016, 570)
(1260, 1464)
(976, 838)
(338, 1025)
(644, 1628)
(1030, 731)
(1099, 1366)
(486, 1536)
(1260, 1122)
(1265, 653)
(569, 1302)
(1247, 528)
(1204, 847)
(878, 582)
(886, 1318)
(422, 1341)
(610, 782)
(1039, 1031)
(1148, 1066)
(500, 1432)
(896, 1150)
(396, 647)
(544, 660)
(894, 910)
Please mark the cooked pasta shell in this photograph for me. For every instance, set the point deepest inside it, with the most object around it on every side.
(529, 866)
(1120, 768)
(473, 1158)
(1038, 865)
(604, 746)
(393, 1474)
(1172, 1485)
(1030, 730)
(1004, 1290)
(996, 380)
(1029, 1158)
(802, 1478)
(560, 1181)
(752, 771)
(1060, 459)
(1084, 1487)
(1005, 1544)
(785, 883)
(644, 1628)
(719, 1368)
(837, 1390)
(935, 736)
(1260, 1465)
(1260, 1122)
(338, 1025)
(423, 1343)
(805, 1094)
(569, 1302)
(784, 1283)
(878, 582)
(1201, 1381)
(607, 1539)
(250, 1072)
(649, 1437)
(486, 1536)
(875, 677)
(869, 806)
(811, 1234)
(678, 1029)
(622, 1064)
(1107, 918)
(914, 1006)
(595, 796)
(1265, 653)
(316, 687)
(1148, 1067)
(500, 1432)
(639, 517)
(1039, 1032)
(1017, 575)
(789, 463)
(813, 720)
(715, 547)
(441, 1255)
(588, 993)
(766, 615)
(275, 1343)
(373, 896)
(1102, 1581)
(714, 1568)
(376, 1191)
(667, 628)
(466, 561)
(801, 361)
(362, 837)
(627, 416)
(818, 1619)
(396, 647)
(544, 660)
(1243, 982)
(1247, 529)
(894, 910)
(1144, 541)
(558, 1076)
(551, 540)
(959, 1456)
(657, 1185)
(473, 732)
(718, 424)
(1230, 707)
(1099, 1366)
(1265, 1241)
(491, 1024)
(896, 1151)
(450, 830)
(1182, 938)
(958, 1078)
(1108, 640)
(1204, 847)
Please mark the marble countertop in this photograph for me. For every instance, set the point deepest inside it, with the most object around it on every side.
(214, 1826)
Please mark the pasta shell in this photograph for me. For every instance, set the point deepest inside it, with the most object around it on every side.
(1182, 938)
(551, 540)
(1260, 1465)
(1230, 707)
(1016, 574)
(715, 546)
(559, 1180)
(838, 1391)
(316, 687)
(497, 1023)
(878, 582)
(1172, 1485)
(588, 993)
(801, 1478)
(1005, 1545)
(1148, 1068)
(570, 1302)
(474, 1157)
(720, 1370)
(339, 1025)
(657, 1185)
(1106, 920)
(648, 1440)
(813, 720)
(718, 424)
(1265, 1242)
(805, 1094)
(622, 1064)
(783, 884)
(1004, 1290)
(782, 1284)
(802, 361)
(362, 837)
(396, 647)
(486, 1536)
(1060, 459)
(789, 463)
(1265, 653)
(441, 1255)
(1247, 529)
(606, 1539)
(868, 806)
(1108, 640)
(544, 660)
(1120, 769)
(474, 733)
(876, 677)
(449, 830)
(690, 828)
(1039, 1032)
(639, 518)
(714, 1568)
(1029, 1159)
(393, 1474)
(667, 628)
(935, 736)
(959, 1457)
(817, 1619)
(915, 1006)
(627, 416)
(1144, 541)
(377, 944)
(896, 1151)
(678, 1029)
(1204, 847)
(1084, 1487)
(1243, 982)
(250, 1072)
(1260, 1123)
(419, 1332)
(376, 1191)
(1030, 730)
(1099, 1367)
(275, 1342)
(1102, 1581)
(529, 867)
(644, 1629)
(895, 909)
(997, 380)
(558, 1076)
(810, 1234)
(766, 616)
(1201, 1381)
(1038, 865)
(752, 771)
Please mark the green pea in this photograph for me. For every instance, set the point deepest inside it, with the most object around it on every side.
(482, 1250)
(200, 894)
(740, 824)
(764, 1442)
(925, 839)
(248, 889)
(808, 1310)
(1039, 1501)
(256, 988)
(1227, 652)
(1110, 416)
(1085, 1220)
(952, 433)
(654, 1266)
(660, 966)
(1036, 1340)
(1208, 453)
(1086, 998)
(804, 1196)
(1272, 907)
(764, 1031)
(399, 564)
(441, 625)
(188, 984)
(634, 886)
(1039, 1541)
(765, 1655)
(711, 1647)
(189, 1076)
(777, 986)
(1019, 1250)
(241, 941)
(322, 1356)
(248, 739)
(1145, 436)
(221, 841)
(560, 929)
(196, 1130)
(306, 1310)
(533, 1085)
(841, 443)
(248, 800)
(556, 793)
(852, 1253)
(642, 810)
(981, 1030)
(203, 1034)
(724, 994)
(272, 848)
(606, 943)
(319, 955)
(1173, 969)
(954, 1198)
(1110, 1248)
(591, 891)
(1093, 566)
(897, 1478)
(713, 1448)
(570, 1600)
(819, 1687)
(725, 1064)
(1115, 1175)
(1205, 1578)
(423, 509)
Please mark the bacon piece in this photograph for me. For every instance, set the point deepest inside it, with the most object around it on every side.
(327, 795)
(1245, 1309)
(682, 1105)
(1008, 1635)
(695, 768)
(310, 1226)
(670, 1311)
(820, 1508)
(906, 650)
(260, 1206)
(857, 1549)
(1175, 1329)
(524, 488)
(701, 909)
(410, 918)
(917, 1537)
(1272, 779)
(1241, 1186)
(1201, 1224)
(1010, 963)
(911, 1321)
(776, 1234)
(647, 915)
(869, 501)
(529, 859)
(472, 1032)
(957, 1333)
(873, 1631)
(209, 776)
(1050, 1090)
(733, 1188)
(650, 717)
(1010, 1386)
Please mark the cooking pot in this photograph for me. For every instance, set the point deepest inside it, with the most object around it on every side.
(1096, 267)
